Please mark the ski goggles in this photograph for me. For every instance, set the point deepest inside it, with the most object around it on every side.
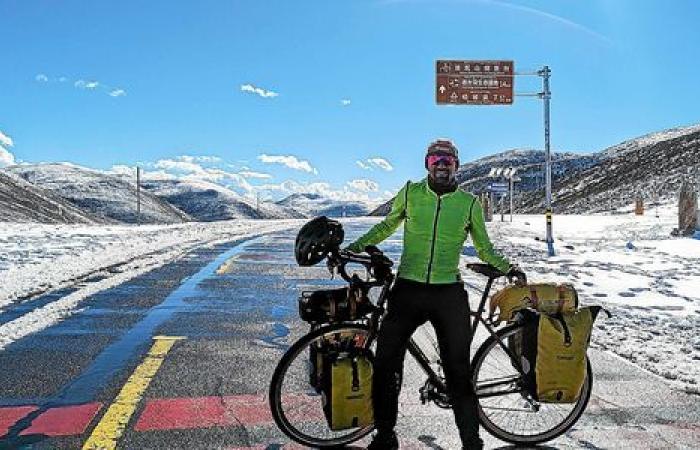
(434, 160)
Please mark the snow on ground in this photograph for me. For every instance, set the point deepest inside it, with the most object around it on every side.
(648, 280)
(36, 258)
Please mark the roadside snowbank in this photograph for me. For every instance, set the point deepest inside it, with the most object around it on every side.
(630, 264)
(35, 258)
(39, 258)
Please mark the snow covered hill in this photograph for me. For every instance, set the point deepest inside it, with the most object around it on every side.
(652, 168)
(103, 195)
(473, 176)
(21, 201)
(316, 205)
(205, 201)
(653, 165)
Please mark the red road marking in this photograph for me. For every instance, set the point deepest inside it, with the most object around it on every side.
(202, 412)
(60, 421)
(11, 414)
(64, 420)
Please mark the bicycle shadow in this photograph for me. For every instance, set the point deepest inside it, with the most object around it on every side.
(430, 442)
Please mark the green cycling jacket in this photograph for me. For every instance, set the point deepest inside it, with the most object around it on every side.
(434, 233)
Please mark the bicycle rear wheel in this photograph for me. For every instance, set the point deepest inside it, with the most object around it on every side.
(296, 405)
(503, 408)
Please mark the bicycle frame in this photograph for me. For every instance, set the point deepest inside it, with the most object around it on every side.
(423, 360)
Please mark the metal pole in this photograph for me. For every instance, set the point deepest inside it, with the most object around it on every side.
(546, 95)
(511, 197)
(138, 195)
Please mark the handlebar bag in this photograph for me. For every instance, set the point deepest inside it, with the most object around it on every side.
(333, 305)
(346, 391)
(548, 298)
(552, 351)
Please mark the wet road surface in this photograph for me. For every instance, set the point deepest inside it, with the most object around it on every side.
(181, 357)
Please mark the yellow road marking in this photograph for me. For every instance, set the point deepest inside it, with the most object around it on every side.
(114, 422)
(226, 266)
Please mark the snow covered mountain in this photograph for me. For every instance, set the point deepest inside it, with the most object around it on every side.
(21, 201)
(205, 201)
(102, 195)
(316, 205)
(653, 166)
(473, 176)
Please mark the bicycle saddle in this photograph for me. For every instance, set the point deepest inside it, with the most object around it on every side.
(486, 269)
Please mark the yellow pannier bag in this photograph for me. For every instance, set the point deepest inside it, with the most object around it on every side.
(560, 360)
(347, 391)
(548, 298)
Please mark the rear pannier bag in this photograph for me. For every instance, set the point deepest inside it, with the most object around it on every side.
(552, 352)
(342, 341)
(548, 298)
(333, 305)
(346, 390)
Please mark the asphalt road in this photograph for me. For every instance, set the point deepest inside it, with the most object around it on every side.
(181, 357)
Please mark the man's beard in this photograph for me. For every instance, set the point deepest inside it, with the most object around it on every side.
(443, 181)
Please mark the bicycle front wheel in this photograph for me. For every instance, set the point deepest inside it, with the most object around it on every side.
(295, 399)
(504, 409)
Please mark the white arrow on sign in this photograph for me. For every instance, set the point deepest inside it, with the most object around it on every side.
(442, 89)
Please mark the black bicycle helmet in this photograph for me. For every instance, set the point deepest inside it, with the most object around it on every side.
(316, 238)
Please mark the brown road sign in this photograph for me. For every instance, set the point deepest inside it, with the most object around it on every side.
(460, 82)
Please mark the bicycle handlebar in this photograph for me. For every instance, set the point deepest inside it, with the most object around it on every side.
(375, 263)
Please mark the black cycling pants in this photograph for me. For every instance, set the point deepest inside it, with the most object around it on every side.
(410, 304)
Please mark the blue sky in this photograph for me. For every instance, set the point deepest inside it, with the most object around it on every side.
(290, 95)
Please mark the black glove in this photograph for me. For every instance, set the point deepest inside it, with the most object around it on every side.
(381, 265)
(516, 273)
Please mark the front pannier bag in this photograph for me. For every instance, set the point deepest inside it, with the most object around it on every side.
(553, 353)
(333, 305)
(347, 390)
(549, 298)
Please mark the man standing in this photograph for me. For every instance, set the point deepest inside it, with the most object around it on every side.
(438, 219)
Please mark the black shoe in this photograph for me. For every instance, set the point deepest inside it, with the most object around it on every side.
(384, 441)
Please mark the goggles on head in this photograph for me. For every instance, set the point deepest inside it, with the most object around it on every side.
(433, 160)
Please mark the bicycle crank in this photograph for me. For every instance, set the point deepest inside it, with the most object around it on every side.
(431, 393)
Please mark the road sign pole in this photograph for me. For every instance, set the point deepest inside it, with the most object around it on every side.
(546, 94)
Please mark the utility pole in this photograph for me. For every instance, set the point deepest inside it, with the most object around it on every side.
(257, 203)
(138, 195)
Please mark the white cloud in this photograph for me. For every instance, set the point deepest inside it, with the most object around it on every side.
(62, 79)
(184, 167)
(41, 78)
(208, 159)
(82, 84)
(349, 192)
(252, 174)
(180, 165)
(6, 158)
(363, 185)
(6, 140)
(345, 102)
(117, 93)
(371, 163)
(290, 161)
(259, 91)
(381, 163)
